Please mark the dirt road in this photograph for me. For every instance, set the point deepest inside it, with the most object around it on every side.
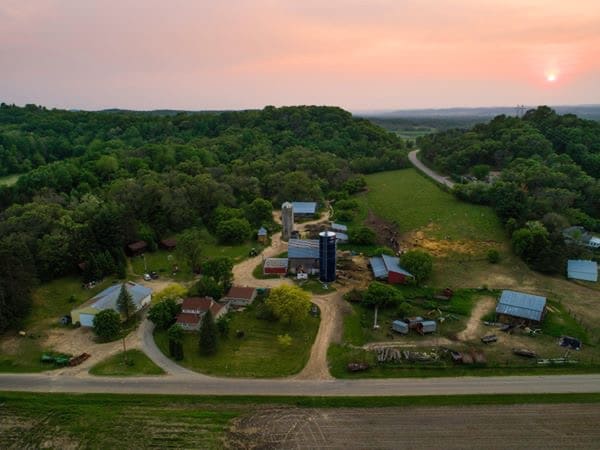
(412, 156)
(523, 426)
(472, 330)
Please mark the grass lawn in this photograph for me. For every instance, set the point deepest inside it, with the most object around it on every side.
(50, 301)
(257, 354)
(414, 202)
(137, 364)
(34, 420)
(9, 180)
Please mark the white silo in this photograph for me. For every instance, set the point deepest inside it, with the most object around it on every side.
(287, 220)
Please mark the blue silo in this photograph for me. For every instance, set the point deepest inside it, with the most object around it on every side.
(327, 256)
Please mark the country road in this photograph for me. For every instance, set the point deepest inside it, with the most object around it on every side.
(203, 385)
(412, 156)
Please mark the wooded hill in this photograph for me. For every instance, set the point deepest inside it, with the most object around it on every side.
(94, 181)
(549, 177)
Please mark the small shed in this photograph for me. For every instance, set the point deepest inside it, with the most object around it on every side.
(400, 327)
(261, 235)
(519, 307)
(275, 266)
(341, 238)
(240, 296)
(426, 326)
(168, 244)
(137, 248)
(388, 268)
(338, 227)
(579, 269)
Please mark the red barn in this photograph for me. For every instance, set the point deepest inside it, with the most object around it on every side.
(388, 268)
(275, 266)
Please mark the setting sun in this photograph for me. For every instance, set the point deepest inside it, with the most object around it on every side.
(551, 77)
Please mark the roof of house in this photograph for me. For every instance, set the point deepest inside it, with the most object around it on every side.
(240, 292)
(139, 245)
(262, 231)
(107, 299)
(303, 248)
(580, 269)
(519, 304)
(200, 303)
(276, 262)
(304, 207)
(188, 318)
(338, 227)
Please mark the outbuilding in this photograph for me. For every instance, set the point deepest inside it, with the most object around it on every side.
(304, 209)
(261, 235)
(137, 248)
(168, 244)
(388, 268)
(400, 327)
(338, 227)
(303, 256)
(107, 299)
(579, 269)
(275, 266)
(519, 307)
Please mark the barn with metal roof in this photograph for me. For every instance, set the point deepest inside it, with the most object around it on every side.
(304, 208)
(518, 305)
(580, 269)
(303, 255)
(388, 268)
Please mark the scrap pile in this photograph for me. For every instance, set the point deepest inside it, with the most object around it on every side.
(391, 354)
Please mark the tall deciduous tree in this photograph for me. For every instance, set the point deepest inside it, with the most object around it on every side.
(176, 336)
(418, 263)
(289, 303)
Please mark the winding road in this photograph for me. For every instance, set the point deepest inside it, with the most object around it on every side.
(412, 156)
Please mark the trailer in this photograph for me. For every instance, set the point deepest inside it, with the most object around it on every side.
(426, 326)
(400, 327)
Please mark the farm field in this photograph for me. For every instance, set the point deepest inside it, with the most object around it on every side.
(151, 421)
(116, 366)
(257, 354)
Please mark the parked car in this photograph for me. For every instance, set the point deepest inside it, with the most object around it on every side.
(147, 277)
(153, 275)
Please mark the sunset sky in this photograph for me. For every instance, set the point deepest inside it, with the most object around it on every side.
(361, 55)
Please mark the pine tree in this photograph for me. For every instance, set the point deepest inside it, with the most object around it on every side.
(125, 302)
(208, 335)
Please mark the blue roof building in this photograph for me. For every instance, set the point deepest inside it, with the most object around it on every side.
(303, 249)
(521, 305)
(579, 269)
(304, 208)
(388, 267)
(262, 231)
(339, 227)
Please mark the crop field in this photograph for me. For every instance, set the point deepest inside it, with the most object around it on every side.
(257, 354)
(31, 420)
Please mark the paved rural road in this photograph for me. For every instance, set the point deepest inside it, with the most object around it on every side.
(412, 156)
(204, 385)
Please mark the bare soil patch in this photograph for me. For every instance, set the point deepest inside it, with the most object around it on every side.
(474, 324)
(490, 427)
(422, 239)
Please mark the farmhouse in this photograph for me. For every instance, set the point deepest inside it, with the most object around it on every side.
(388, 268)
(579, 269)
(275, 266)
(240, 296)
(303, 255)
(194, 308)
(136, 248)
(304, 209)
(107, 299)
(520, 307)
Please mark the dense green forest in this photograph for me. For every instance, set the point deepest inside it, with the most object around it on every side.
(545, 171)
(94, 181)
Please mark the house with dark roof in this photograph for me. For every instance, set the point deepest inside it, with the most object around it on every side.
(579, 269)
(194, 308)
(518, 307)
(137, 248)
(386, 267)
(107, 299)
(240, 296)
(303, 256)
(168, 244)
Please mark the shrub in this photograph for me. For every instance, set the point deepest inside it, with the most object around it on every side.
(493, 256)
(107, 324)
(419, 263)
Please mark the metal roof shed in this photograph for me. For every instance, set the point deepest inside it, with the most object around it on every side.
(303, 248)
(579, 269)
(519, 304)
(308, 208)
(339, 227)
(378, 267)
(392, 264)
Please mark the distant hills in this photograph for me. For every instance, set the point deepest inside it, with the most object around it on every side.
(583, 111)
